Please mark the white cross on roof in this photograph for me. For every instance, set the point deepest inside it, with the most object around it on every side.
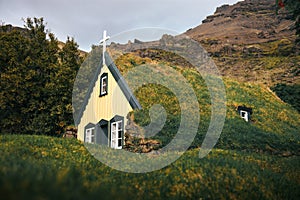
(103, 43)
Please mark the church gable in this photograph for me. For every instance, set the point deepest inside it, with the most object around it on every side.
(102, 118)
(102, 84)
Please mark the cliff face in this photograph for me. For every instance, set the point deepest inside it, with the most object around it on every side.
(247, 22)
(249, 42)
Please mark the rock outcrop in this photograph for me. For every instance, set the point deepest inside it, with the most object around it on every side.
(134, 138)
(247, 22)
(248, 42)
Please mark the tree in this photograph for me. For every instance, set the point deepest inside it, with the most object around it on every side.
(61, 84)
(15, 79)
(36, 80)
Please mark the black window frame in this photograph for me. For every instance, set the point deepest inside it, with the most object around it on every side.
(103, 93)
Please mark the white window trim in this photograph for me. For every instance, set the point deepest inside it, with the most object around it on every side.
(114, 140)
(103, 87)
(90, 135)
(245, 117)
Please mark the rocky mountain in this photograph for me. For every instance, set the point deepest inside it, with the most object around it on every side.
(250, 42)
(247, 22)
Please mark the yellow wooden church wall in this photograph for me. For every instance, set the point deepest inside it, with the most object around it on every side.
(105, 107)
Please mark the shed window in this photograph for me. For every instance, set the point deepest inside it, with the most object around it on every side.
(244, 115)
(245, 112)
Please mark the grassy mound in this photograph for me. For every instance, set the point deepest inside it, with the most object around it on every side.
(40, 167)
(274, 125)
(256, 160)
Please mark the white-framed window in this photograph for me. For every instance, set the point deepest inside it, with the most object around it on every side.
(90, 135)
(103, 84)
(116, 135)
(244, 115)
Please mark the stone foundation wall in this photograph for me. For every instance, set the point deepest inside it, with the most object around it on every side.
(134, 138)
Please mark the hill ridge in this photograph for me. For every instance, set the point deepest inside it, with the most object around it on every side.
(246, 22)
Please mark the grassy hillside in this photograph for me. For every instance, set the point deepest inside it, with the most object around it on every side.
(257, 160)
(40, 167)
(274, 125)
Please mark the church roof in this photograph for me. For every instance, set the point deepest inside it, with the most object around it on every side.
(119, 79)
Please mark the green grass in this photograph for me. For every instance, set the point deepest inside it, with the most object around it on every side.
(257, 160)
(274, 124)
(289, 94)
(40, 167)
